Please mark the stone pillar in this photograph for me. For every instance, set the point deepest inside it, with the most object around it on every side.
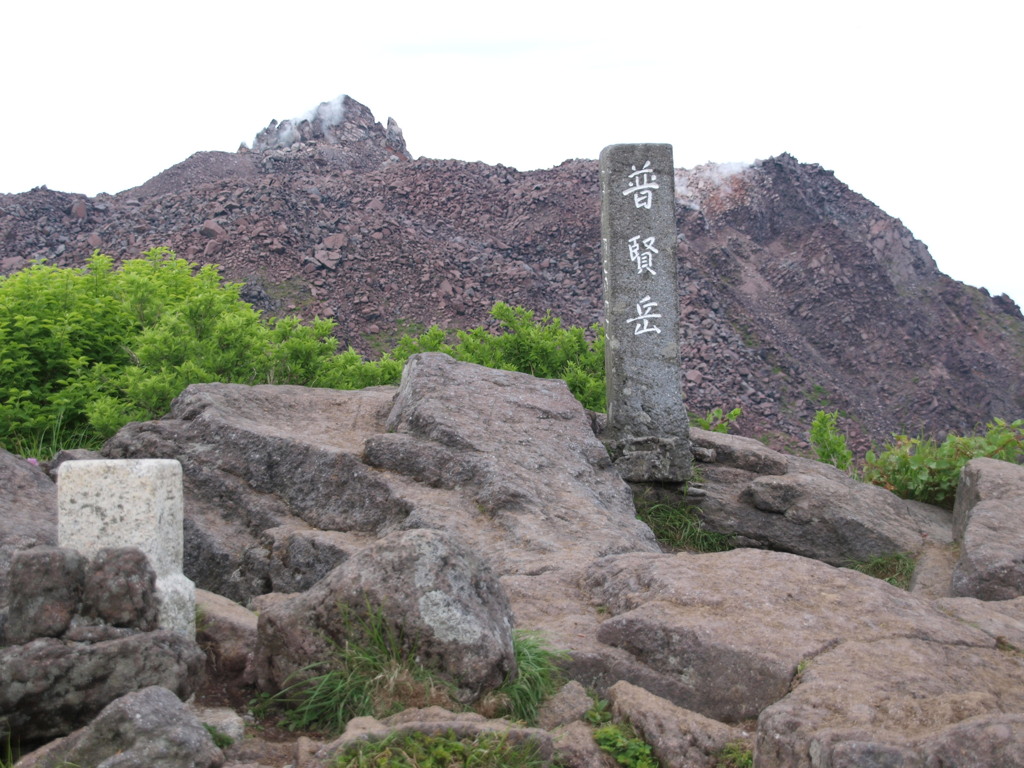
(648, 433)
(131, 503)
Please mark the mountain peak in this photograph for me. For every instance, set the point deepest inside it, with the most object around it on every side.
(342, 120)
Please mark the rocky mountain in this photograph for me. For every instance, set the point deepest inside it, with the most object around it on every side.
(796, 292)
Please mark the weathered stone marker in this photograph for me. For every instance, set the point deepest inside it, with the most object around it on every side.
(648, 433)
(131, 503)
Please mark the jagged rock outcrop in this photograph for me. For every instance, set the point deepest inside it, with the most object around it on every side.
(291, 480)
(80, 634)
(796, 293)
(342, 121)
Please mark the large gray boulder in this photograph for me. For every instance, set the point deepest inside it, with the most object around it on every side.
(724, 634)
(989, 525)
(899, 702)
(150, 728)
(256, 458)
(49, 687)
(431, 591)
(284, 483)
(806, 507)
(28, 512)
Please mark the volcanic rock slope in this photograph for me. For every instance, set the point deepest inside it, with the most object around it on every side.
(797, 293)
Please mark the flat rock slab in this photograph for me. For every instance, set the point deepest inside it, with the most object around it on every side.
(899, 702)
(723, 634)
(1003, 620)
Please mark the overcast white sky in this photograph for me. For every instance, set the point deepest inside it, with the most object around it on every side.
(916, 105)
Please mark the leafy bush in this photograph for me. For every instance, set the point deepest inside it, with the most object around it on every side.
(419, 750)
(541, 348)
(828, 442)
(85, 351)
(928, 471)
(716, 420)
(621, 742)
(599, 713)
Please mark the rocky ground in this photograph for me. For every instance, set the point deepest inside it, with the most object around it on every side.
(469, 502)
(797, 294)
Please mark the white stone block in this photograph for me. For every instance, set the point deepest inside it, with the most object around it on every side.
(130, 503)
(177, 603)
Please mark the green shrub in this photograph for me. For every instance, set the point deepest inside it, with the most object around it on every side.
(828, 442)
(716, 420)
(599, 713)
(419, 750)
(540, 347)
(621, 742)
(928, 471)
(678, 527)
(85, 351)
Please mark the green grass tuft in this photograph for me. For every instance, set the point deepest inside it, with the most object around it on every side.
(897, 569)
(735, 754)
(375, 672)
(679, 528)
(419, 750)
(538, 677)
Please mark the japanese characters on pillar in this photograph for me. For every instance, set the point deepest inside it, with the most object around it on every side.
(647, 434)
